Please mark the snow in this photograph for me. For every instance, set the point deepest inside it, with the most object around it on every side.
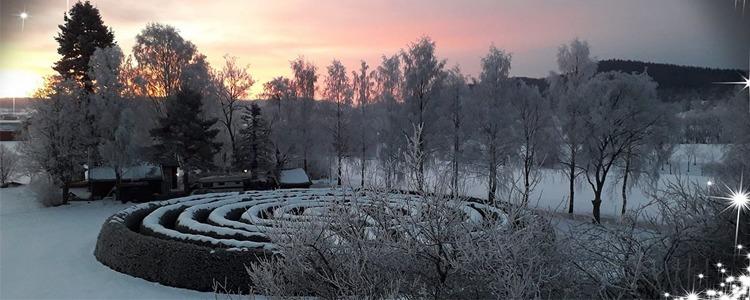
(47, 253)
(294, 176)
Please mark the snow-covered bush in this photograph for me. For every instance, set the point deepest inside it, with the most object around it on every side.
(642, 261)
(414, 249)
(47, 192)
(9, 162)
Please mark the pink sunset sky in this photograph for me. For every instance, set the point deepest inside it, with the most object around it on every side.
(268, 34)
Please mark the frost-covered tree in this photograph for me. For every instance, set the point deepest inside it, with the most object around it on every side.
(490, 114)
(107, 99)
(9, 164)
(621, 113)
(643, 157)
(454, 109)
(53, 141)
(423, 78)
(280, 93)
(79, 37)
(185, 136)
(117, 145)
(532, 131)
(362, 87)
(388, 91)
(121, 149)
(162, 55)
(305, 78)
(339, 91)
(576, 67)
(234, 84)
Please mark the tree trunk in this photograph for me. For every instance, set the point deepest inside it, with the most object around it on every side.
(625, 184)
(118, 185)
(362, 172)
(572, 180)
(185, 182)
(492, 175)
(65, 193)
(597, 205)
(456, 149)
(338, 179)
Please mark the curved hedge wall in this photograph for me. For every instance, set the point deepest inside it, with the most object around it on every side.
(178, 264)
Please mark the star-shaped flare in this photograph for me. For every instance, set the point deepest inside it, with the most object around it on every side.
(738, 199)
(23, 16)
(745, 82)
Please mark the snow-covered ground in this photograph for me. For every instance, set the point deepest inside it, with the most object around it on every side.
(47, 253)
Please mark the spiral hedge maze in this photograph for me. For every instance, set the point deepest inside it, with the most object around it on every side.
(193, 242)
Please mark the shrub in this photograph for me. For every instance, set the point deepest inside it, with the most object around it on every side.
(9, 162)
(411, 249)
(46, 192)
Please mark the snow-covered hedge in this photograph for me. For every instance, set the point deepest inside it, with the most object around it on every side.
(191, 241)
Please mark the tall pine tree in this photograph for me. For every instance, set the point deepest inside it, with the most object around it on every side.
(82, 33)
(255, 150)
(185, 136)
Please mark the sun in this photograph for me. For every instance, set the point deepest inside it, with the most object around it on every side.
(18, 83)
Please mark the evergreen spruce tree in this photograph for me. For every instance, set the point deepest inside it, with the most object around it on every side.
(185, 136)
(82, 33)
(254, 151)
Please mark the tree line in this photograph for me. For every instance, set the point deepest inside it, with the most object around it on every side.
(410, 116)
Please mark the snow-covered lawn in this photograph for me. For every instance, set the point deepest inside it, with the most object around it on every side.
(48, 253)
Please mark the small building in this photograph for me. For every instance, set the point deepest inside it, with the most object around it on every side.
(232, 183)
(294, 178)
(9, 129)
(139, 183)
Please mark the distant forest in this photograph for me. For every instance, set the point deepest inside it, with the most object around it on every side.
(674, 80)
(673, 76)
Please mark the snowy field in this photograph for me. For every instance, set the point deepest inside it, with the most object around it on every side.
(47, 253)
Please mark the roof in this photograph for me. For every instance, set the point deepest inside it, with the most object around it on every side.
(220, 178)
(140, 172)
(294, 176)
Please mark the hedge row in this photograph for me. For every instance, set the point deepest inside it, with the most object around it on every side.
(121, 247)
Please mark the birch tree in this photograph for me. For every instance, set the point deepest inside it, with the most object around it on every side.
(305, 78)
(491, 117)
(576, 67)
(162, 55)
(362, 88)
(621, 114)
(388, 86)
(423, 78)
(338, 91)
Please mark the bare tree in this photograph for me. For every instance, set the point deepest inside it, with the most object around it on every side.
(305, 78)
(280, 93)
(339, 92)
(234, 84)
(162, 54)
(363, 85)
